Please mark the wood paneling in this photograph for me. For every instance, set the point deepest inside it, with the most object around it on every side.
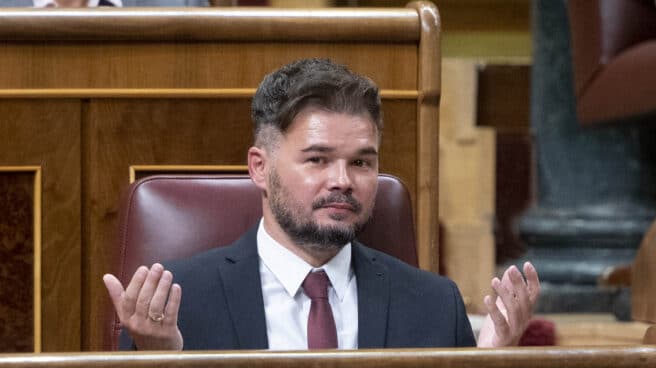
(17, 254)
(45, 133)
(123, 64)
(398, 152)
(91, 93)
(121, 133)
(429, 65)
(292, 25)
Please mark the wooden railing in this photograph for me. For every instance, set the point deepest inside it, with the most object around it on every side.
(583, 357)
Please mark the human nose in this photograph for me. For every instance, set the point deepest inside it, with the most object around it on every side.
(340, 177)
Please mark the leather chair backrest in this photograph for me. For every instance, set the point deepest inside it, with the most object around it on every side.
(168, 217)
(602, 29)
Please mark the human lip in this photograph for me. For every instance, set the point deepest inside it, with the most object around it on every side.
(338, 202)
(339, 205)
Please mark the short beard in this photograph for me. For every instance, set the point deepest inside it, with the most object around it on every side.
(307, 233)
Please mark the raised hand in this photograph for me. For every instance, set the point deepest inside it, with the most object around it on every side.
(510, 313)
(148, 307)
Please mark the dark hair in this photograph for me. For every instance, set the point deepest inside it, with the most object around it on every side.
(312, 82)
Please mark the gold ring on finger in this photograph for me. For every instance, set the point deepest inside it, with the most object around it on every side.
(156, 317)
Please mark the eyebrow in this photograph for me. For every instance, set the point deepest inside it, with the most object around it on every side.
(368, 151)
(326, 149)
(318, 148)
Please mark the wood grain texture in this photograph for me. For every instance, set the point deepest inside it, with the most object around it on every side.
(120, 133)
(122, 64)
(398, 151)
(429, 66)
(197, 24)
(16, 268)
(69, 93)
(553, 357)
(46, 133)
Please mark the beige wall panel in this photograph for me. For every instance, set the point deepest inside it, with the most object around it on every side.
(45, 133)
(467, 163)
(191, 64)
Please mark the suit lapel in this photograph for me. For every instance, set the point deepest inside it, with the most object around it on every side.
(243, 290)
(373, 298)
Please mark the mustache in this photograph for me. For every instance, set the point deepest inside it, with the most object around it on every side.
(337, 197)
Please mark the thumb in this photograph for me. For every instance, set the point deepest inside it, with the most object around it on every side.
(115, 290)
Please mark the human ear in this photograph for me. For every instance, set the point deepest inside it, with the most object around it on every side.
(257, 166)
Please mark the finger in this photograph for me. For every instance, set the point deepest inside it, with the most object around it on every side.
(520, 294)
(158, 302)
(129, 304)
(506, 283)
(533, 282)
(115, 291)
(173, 305)
(505, 279)
(507, 299)
(501, 326)
(519, 288)
(148, 290)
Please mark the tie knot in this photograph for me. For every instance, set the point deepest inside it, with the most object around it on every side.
(316, 284)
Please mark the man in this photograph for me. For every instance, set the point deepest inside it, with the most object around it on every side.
(315, 158)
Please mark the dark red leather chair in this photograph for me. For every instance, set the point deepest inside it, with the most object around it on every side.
(173, 216)
(614, 57)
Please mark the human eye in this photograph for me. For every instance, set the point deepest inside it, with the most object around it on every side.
(316, 160)
(361, 163)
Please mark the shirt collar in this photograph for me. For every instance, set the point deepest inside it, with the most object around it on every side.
(290, 270)
(91, 4)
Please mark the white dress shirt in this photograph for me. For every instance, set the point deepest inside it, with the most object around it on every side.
(90, 4)
(286, 306)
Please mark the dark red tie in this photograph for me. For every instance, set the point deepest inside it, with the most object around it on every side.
(321, 331)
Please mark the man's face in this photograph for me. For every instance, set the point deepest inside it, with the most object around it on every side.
(323, 179)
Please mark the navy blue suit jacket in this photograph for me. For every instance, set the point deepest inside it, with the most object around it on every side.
(398, 305)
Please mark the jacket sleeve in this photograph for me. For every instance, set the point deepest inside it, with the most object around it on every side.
(464, 333)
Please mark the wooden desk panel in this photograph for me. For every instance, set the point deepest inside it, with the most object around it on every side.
(45, 134)
(193, 64)
(102, 90)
